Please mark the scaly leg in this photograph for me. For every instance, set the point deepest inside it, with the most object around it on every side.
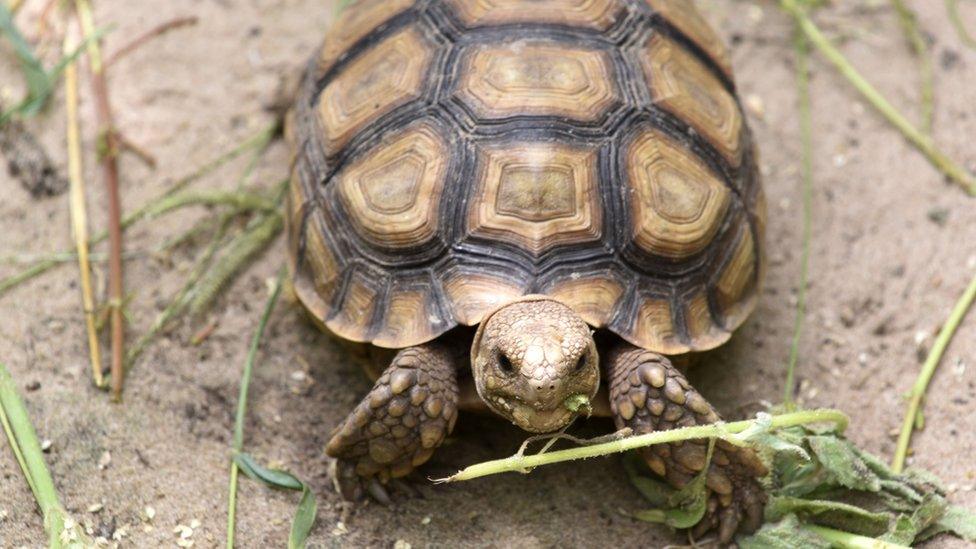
(648, 394)
(400, 423)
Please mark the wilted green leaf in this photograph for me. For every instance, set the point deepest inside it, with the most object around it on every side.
(906, 528)
(837, 456)
(785, 534)
(955, 520)
(304, 517)
(835, 514)
(684, 508)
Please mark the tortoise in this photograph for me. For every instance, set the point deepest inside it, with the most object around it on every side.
(505, 201)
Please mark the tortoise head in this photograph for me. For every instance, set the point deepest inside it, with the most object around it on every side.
(534, 362)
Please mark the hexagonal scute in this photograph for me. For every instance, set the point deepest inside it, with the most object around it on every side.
(684, 16)
(391, 74)
(392, 194)
(683, 86)
(353, 24)
(474, 291)
(536, 195)
(594, 14)
(676, 204)
(536, 79)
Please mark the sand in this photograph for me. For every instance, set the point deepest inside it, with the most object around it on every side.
(893, 248)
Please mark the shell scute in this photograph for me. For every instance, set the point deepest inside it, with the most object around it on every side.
(452, 156)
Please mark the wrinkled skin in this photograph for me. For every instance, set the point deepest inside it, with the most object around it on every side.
(528, 359)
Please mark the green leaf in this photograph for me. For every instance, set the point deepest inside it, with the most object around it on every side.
(274, 478)
(837, 456)
(785, 534)
(685, 507)
(304, 519)
(906, 528)
(835, 514)
(654, 491)
(40, 83)
(955, 520)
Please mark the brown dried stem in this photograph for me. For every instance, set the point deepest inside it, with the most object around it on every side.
(149, 35)
(108, 157)
(79, 216)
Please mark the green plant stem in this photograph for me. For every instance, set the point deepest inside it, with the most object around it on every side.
(909, 24)
(23, 440)
(847, 540)
(928, 370)
(724, 431)
(240, 417)
(922, 142)
(802, 49)
(952, 7)
(180, 301)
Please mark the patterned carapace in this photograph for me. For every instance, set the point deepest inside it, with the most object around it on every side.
(453, 155)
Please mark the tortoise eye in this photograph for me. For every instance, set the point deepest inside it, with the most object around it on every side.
(504, 364)
(581, 363)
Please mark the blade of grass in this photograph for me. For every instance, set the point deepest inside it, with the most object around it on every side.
(724, 431)
(846, 540)
(305, 515)
(145, 211)
(179, 303)
(909, 24)
(110, 172)
(40, 83)
(244, 248)
(23, 441)
(79, 216)
(802, 50)
(923, 143)
(928, 370)
(952, 7)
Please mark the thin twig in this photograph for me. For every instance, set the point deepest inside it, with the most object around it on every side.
(138, 150)
(928, 369)
(79, 215)
(110, 170)
(240, 417)
(922, 142)
(909, 24)
(802, 49)
(723, 431)
(149, 35)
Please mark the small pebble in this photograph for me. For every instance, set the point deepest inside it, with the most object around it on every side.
(756, 106)
(425, 521)
(298, 375)
(194, 524)
(32, 386)
(104, 460)
(340, 529)
(149, 512)
(401, 544)
(46, 445)
(95, 507)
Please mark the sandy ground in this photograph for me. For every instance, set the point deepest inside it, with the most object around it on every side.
(893, 247)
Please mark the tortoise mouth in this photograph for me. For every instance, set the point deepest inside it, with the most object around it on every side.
(530, 418)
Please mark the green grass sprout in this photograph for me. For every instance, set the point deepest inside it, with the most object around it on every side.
(921, 141)
(62, 530)
(307, 508)
(928, 370)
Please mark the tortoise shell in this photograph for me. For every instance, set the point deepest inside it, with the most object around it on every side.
(454, 155)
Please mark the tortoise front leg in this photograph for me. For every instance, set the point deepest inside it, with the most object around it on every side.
(648, 394)
(400, 423)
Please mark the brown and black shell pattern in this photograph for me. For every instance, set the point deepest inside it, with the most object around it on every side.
(453, 155)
